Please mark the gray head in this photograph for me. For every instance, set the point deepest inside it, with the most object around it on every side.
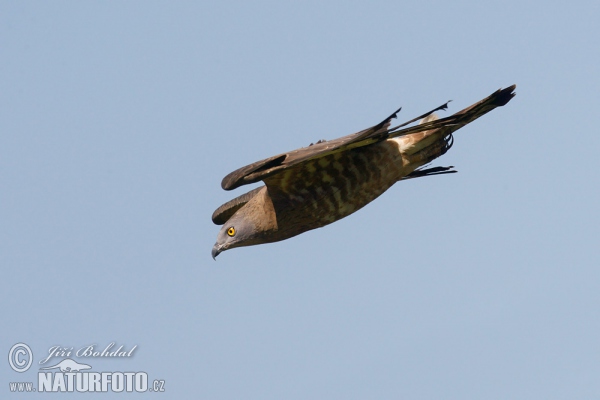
(237, 231)
(254, 222)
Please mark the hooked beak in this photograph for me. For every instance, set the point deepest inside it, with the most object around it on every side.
(216, 250)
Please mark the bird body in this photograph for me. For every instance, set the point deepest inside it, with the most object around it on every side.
(317, 185)
(319, 193)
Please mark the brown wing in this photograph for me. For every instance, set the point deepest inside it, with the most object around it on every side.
(223, 213)
(265, 168)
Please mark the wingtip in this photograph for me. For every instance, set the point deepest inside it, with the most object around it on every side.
(391, 117)
(503, 96)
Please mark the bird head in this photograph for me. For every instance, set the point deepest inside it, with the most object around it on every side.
(253, 223)
(237, 231)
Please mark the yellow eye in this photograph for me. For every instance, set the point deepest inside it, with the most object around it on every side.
(231, 231)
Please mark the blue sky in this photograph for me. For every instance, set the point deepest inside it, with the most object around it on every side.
(118, 121)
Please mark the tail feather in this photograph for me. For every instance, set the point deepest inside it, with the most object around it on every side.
(456, 121)
(497, 99)
(432, 137)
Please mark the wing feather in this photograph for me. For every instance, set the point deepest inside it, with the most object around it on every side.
(223, 213)
(265, 168)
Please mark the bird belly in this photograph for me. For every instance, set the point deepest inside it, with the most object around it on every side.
(332, 187)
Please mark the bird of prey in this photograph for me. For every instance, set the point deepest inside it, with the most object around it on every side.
(314, 186)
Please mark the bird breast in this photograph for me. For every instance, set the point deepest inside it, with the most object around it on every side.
(324, 190)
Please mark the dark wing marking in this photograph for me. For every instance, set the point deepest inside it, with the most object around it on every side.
(223, 213)
(263, 169)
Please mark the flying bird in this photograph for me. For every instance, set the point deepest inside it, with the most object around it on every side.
(317, 185)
